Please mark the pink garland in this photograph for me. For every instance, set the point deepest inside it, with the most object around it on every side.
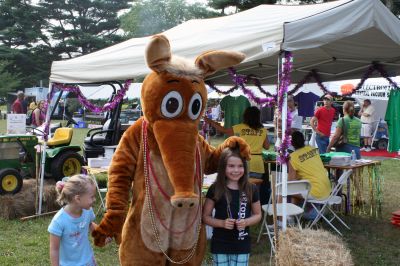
(90, 106)
(85, 102)
(283, 154)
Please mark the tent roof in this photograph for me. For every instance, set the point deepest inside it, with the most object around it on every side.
(337, 38)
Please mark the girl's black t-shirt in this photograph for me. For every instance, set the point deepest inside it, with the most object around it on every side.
(226, 241)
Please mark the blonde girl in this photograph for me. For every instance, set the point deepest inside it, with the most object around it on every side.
(69, 228)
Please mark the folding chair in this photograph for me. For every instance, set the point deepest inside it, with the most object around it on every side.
(300, 187)
(333, 199)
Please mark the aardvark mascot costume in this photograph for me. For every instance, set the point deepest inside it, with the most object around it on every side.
(159, 164)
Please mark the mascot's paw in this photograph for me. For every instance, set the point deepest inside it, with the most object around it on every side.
(239, 143)
(110, 226)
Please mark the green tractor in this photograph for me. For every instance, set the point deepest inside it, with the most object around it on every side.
(18, 159)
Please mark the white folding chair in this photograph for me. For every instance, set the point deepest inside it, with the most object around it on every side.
(326, 204)
(300, 187)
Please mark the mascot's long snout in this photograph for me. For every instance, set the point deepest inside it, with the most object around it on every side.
(179, 160)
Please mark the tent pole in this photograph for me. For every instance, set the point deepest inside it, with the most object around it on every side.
(284, 165)
(43, 150)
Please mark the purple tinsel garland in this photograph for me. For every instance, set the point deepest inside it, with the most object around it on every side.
(283, 154)
(85, 102)
(90, 106)
(240, 80)
(312, 74)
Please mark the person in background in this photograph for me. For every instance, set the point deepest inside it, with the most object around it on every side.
(321, 123)
(367, 117)
(32, 105)
(17, 106)
(306, 164)
(253, 132)
(297, 120)
(39, 114)
(237, 207)
(352, 131)
(25, 104)
(69, 228)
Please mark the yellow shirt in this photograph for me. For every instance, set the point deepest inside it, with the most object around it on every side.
(308, 166)
(255, 139)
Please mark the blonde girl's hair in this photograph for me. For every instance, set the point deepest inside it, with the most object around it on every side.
(348, 108)
(75, 185)
(221, 188)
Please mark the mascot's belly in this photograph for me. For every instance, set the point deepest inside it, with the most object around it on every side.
(177, 228)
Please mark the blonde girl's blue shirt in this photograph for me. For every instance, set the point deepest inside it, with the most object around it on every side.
(75, 248)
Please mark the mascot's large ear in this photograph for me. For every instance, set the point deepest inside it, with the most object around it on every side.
(158, 53)
(211, 62)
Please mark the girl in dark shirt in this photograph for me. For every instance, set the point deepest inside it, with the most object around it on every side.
(237, 206)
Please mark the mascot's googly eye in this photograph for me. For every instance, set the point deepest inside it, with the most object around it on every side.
(195, 106)
(172, 104)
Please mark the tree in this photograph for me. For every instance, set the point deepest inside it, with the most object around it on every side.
(20, 24)
(8, 82)
(78, 27)
(240, 5)
(154, 16)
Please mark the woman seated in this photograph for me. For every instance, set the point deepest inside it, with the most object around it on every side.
(305, 164)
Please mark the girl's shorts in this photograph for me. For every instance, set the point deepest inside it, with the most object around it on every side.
(231, 259)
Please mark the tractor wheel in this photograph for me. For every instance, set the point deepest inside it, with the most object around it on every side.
(66, 164)
(382, 144)
(10, 181)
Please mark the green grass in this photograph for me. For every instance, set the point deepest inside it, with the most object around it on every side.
(372, 241)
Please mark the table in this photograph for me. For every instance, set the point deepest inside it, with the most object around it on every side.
(355, 185)
(92, 172)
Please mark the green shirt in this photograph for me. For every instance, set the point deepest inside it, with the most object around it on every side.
(392, 118)
(233, 108)
(352, 130)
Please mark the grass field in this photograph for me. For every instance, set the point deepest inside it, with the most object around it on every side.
(372, 241)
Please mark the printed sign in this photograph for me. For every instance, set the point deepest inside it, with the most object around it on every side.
(377, 92)
(16, 123)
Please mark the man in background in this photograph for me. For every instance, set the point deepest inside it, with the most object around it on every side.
(297, 120)
(17, 106)
(366, 114)
(321, 123)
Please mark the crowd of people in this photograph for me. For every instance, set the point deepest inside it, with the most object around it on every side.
(35, 112)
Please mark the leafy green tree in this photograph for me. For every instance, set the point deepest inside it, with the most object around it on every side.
(239, 5)
(20, 24)
(154, 16)
(79, 27)
(8, 82)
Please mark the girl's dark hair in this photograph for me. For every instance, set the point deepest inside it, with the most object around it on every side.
(297, 140)
(348, 108)
(251, 117)
(221, 189)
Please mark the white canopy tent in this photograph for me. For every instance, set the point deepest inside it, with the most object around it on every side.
(339, 39)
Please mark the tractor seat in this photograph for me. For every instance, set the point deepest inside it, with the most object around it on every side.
(62, 136)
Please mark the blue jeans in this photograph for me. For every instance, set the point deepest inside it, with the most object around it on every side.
(322, 143)
(348, 148)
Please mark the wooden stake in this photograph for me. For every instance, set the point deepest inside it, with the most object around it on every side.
(37, 215)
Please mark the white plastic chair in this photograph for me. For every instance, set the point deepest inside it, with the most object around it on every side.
(300, 187)
(326, 204)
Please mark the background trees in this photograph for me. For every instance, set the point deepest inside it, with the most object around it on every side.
(153, 16)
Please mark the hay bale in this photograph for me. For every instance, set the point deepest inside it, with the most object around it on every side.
(311, 247)
(23, 203)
